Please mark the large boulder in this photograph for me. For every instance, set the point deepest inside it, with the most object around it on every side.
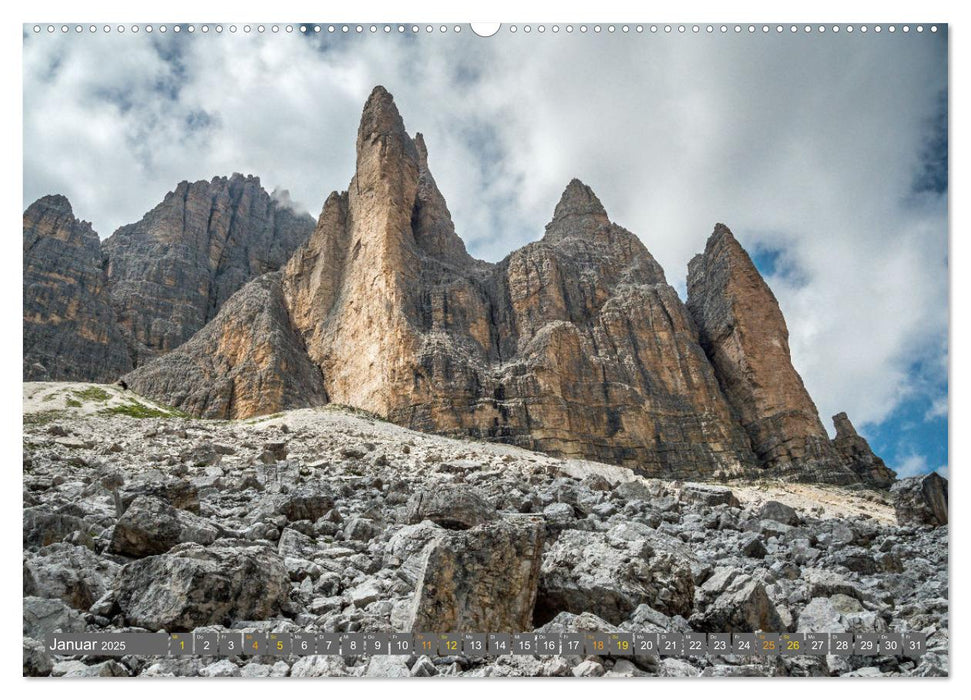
(302, 503)
(74, 574)
(733, 601)
(152, 526)
(43, 527)
(45, 615)
(452, 507)
(921, 500)
(481, 579)
(191, 586)
(610, 574)
(179, 493)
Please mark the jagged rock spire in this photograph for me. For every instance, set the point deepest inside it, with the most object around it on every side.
(855, 452)
(579, 213)
(745, 336)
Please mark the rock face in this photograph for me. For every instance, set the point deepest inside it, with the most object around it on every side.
(855, 452)
(574, 345)
(745, 336)
(93, 310)
(247, 361)
(171, 272)
(921, 500)
(69, 325)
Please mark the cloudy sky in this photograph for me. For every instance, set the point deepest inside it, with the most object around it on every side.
(825, 154)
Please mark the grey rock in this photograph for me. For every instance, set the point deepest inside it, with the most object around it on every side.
(224, 668)
(610, 574)
(74, 574)
(152, 526)
(45, 615)
(921, 500)
(738, 603)
(452, 507)
(42, 527)
(820, 615)
(779, 512)
(191, 585)
(588, 669)
(37, 662)
(484, 578)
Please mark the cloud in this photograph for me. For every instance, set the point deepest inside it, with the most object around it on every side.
(912, 465)
(828, 150)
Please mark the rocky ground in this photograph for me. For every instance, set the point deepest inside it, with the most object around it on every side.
(137, 518)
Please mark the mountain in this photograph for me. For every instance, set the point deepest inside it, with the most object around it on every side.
(69, 326)
(573, 345)
(171, 272)
(93, 310)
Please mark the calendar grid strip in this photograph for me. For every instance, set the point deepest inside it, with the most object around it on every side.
(353, 644)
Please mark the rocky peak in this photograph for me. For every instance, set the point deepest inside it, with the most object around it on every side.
(746, 339)
(386, 155)
(52, 215)
(855, 452)
(69, 326)
(172, 271)
(844, 428)
(579, 213)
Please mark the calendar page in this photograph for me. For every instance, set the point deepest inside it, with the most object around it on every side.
(452, 350)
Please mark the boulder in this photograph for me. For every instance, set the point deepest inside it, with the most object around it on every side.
(921, 500)
(610, 574)
(191, 586)
(481, 579)
(733, 601)
(43, 527)
(179, 493)
(37, 662)
(45, 615)
(152, 526)
(452, 507)
(779, 512)
(74, 574)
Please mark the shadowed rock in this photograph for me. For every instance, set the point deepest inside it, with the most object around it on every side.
(172, 271)
(921, 500)
(855, 452)
(69, 325)
(745, 336)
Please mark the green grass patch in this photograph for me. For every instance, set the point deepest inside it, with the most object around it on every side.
(42, 417)
(136, 409)
(73, 403)
(92, 393)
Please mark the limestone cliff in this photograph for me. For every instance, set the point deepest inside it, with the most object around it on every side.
(69, 326)
(172, 271)
(574, 344)
(745, 336)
